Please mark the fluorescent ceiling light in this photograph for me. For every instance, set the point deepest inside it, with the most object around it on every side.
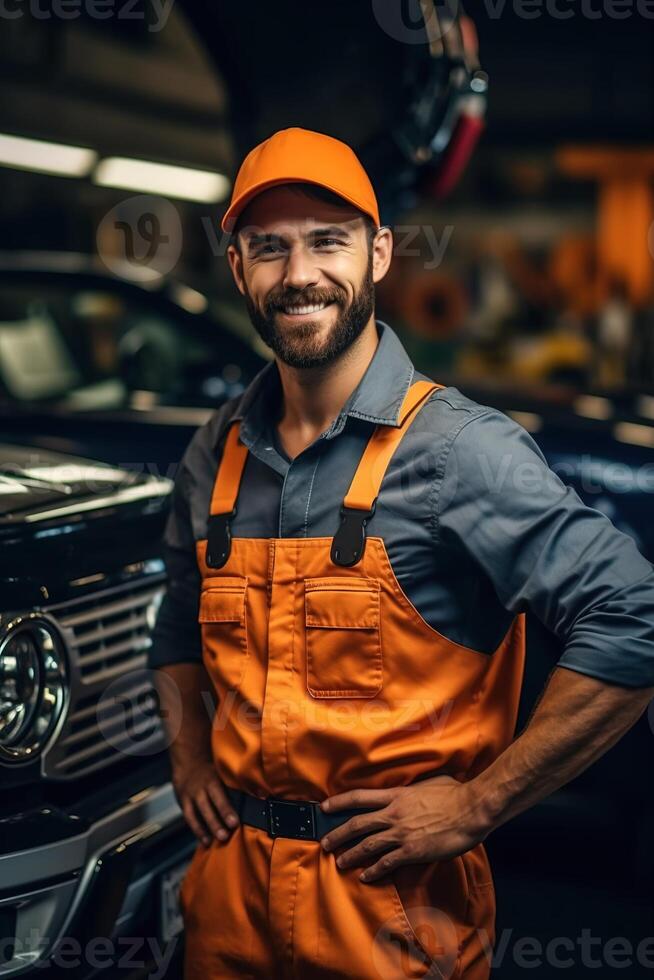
(593, 407)
(634, 432)
(47, 158)
(163, 179)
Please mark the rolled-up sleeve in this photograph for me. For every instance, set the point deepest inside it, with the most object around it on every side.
(545, 550)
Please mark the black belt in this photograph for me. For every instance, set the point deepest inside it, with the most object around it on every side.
(300, 819)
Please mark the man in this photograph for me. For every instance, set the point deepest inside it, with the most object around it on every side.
(351, 552)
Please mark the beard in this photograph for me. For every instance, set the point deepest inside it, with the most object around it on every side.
(298, 346)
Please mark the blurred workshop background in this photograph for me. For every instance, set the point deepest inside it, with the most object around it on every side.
(535, 267)
(513, 155)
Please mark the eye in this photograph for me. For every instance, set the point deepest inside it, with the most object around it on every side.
(328, 241)
(269, 249)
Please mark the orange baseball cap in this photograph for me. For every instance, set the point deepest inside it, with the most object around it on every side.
(297, 155)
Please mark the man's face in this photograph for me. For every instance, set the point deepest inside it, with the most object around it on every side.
(306, 273)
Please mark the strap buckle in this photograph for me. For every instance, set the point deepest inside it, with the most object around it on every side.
(219, 539)
(350, 539)
(288, 818)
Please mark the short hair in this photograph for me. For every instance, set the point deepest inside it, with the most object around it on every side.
(318, 193)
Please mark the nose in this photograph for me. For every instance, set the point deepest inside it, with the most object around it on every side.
(300, 270)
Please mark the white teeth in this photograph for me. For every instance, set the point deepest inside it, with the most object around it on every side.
(302, 310)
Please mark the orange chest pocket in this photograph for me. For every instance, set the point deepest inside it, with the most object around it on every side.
(343, 637)
(223, 619)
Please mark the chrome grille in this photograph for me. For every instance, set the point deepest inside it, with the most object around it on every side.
(113, 710)
(111, 632)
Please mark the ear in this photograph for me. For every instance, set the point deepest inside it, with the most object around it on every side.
(236, 265)
(382, 253)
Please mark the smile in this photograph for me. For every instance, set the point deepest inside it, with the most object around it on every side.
(307, 310)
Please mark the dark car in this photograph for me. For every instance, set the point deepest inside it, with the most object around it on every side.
(95, 364)
(92, 840)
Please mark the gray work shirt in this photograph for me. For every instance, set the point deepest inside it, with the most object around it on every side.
(476, 525)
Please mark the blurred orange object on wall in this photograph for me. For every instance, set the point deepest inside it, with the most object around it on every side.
(625, 239)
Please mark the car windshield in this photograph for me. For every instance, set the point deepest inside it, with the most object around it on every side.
(95, 348)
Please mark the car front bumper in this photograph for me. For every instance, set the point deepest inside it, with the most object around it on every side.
(73, 902)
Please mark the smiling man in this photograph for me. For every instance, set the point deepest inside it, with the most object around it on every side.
(307, 325)
(351, 551)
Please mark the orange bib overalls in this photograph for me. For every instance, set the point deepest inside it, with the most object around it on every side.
(329, 679)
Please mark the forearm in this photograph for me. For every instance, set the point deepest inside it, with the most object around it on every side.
(186, 703)
(577, 719)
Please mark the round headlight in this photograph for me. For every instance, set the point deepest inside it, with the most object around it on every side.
(33, 686)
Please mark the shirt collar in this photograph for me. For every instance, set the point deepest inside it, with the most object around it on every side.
(377, 398)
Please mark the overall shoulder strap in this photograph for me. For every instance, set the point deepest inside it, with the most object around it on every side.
(381, 446)
(230, 470)
(359, 502)
(358, 505)
(223, 497)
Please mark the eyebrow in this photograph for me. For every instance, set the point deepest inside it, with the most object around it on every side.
(333, 230)
(269, 238)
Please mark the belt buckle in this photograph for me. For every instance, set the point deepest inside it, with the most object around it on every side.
(288, 818)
